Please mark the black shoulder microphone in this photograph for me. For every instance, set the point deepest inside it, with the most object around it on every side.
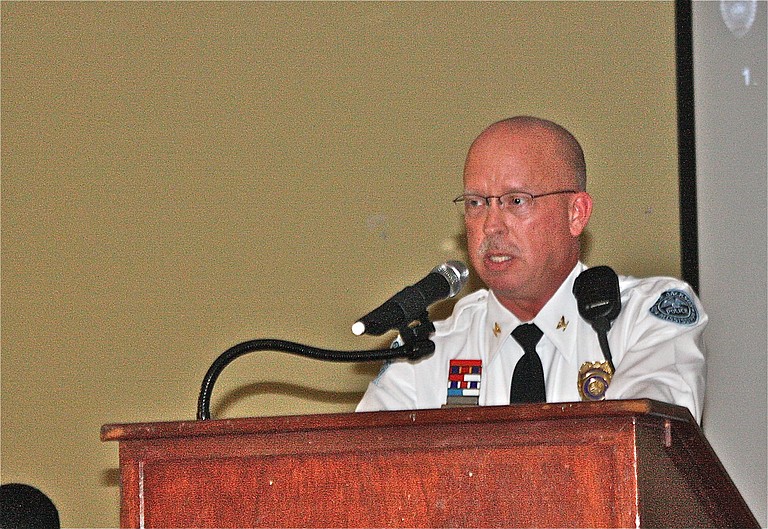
(598, 296)
(444, 281)
(599, 300)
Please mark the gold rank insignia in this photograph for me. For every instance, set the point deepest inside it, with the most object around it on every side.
(496, 329)
(594, 379)
(562, 324)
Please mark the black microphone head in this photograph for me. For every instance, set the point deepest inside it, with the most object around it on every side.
(597, 294)
(443, 281)
(456, 273)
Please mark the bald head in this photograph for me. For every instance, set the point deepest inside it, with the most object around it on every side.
(563, 147)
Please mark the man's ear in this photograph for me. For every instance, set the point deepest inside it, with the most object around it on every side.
(581, 210)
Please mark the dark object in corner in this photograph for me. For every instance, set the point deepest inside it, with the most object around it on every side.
(23, 506)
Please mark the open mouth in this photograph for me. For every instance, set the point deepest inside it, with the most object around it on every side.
(497, 259)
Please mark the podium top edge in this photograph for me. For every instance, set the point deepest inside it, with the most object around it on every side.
(474, 414)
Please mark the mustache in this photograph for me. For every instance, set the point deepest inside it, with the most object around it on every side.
(496, 245)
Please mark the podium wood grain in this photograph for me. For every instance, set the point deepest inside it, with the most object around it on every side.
(605, 464)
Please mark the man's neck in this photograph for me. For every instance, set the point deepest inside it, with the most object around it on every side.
(526, 309)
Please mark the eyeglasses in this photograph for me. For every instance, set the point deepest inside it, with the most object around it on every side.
(517, 203)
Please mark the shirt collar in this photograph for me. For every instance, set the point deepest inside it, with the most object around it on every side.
(557, 319)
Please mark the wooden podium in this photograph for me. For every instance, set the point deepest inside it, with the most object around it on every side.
(636, 463)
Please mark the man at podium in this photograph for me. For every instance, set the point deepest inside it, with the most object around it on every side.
(524, 339)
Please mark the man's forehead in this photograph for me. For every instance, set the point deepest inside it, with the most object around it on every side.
(512, 166)
(504, 168)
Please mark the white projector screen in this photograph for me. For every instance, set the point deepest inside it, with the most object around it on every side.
(729, 50)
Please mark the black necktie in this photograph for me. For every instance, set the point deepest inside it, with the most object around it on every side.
(528, 378)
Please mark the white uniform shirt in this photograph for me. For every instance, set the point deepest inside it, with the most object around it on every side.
(656, 344)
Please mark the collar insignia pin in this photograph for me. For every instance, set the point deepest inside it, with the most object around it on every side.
(496, 329)
(562, 324)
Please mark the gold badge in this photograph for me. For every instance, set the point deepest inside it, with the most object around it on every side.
(594, 379)
(496, 329)
(562, 324)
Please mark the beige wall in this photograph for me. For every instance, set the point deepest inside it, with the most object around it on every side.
(180, 177)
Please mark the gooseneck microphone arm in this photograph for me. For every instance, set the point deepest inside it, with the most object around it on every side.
(406, 312)
(417, 345)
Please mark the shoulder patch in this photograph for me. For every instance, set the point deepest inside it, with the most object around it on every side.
(676, 306)
(384, 366)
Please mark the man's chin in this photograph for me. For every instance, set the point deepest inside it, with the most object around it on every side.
(501, 282)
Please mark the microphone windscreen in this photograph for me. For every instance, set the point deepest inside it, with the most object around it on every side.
(456, 273)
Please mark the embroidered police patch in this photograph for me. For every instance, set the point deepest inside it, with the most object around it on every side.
(675, 306)
(384, 366)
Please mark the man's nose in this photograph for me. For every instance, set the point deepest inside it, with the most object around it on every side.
(495, 218)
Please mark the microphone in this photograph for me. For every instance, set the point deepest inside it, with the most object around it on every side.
(598, 296)
(599, 301)
(444, 281)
